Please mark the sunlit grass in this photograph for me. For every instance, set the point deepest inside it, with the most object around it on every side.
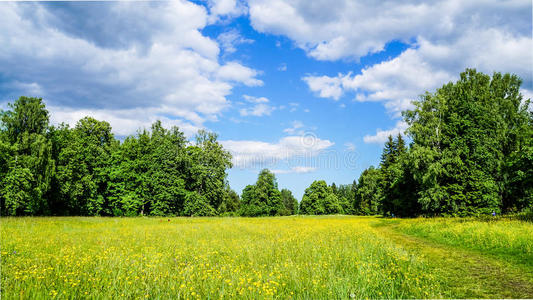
(291, 257)
(286, 257)
(509, 239)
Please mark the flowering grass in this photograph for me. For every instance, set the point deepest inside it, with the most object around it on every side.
(193, 258)
(500, 237)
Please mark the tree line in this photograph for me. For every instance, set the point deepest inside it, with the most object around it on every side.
(469, 152)
(85, 170)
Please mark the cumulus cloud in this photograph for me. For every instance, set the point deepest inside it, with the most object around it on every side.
(233, 71)
(398, 81)
(527, 94)
(249, 154)
(352, 29)
(443, 37)
(223, 9)
(381, 136)
(148, 57)
(122, 120)
(325, 86)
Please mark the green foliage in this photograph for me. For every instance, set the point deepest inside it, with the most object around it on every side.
(368, 194)
(27, 116)
(464, 135)
(332, 205)
(290, 204)
(471, 153)
(263, 198)
(346, 195)
(83, 167)
(208, 162)
(249, 206)
(231, 203)
(155, 172)
(19, 192)
(398, 188)
(319, 199)
(197, 205)
(26, 157)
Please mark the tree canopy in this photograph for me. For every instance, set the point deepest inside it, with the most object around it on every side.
(263, 198)
(85, 170)
(470, 151)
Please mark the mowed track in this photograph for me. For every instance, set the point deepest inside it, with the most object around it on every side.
(287, 257)
(466, 273)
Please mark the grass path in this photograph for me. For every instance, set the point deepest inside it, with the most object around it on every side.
(469, 274)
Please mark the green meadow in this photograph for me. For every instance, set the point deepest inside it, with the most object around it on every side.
(326, 257)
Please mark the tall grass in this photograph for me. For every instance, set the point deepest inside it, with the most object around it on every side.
(508, 238)
(289, 257)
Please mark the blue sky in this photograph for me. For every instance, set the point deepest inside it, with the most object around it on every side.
(308, 89)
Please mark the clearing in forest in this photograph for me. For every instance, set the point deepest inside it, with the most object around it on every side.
(285, 257)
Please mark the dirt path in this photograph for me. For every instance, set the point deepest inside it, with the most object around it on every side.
(467, 274)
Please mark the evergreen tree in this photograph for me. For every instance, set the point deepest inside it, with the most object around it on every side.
(389, 173)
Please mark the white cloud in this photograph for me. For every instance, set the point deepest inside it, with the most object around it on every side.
(325, 86)
(122, 121)
(352, 29)
(32, 88)
(230, 39)
(249, 154)
(527, 94)
(398, 81)
(297, 169)
(295, 129)
(233, 71)
(149, 57)
(282, 67)
(225, 8)
(253, 99)
(257, 110)
(260, 107)
(444, 37)
(381, 136)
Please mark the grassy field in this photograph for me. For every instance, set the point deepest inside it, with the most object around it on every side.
(286, 257)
